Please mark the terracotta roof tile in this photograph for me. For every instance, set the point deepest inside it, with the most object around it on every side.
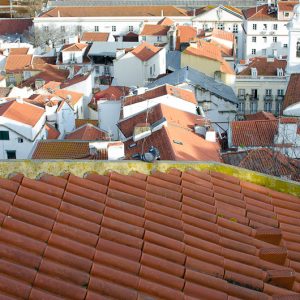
(17, 62)
(166, 21)
(145, 51)
(287, 5)
(107, 236)
(87, 132)
(259, 133)
(262, 115)
(21, 112)
(259, 13)
(152, 29)
(264, 67)
(13, 26)
(18, 51)
(292, 93)
(95, 36)
(53, 133)
(74, 47)
(74, 97)
(105, 11)
(81, 122)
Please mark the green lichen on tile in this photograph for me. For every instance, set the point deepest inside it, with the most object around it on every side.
(32, 168)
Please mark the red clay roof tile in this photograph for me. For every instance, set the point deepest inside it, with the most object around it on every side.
(107, 236)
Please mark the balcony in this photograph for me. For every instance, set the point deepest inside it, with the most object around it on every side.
(279, 98)
(242, 97)
(268, 97)
(254, 98)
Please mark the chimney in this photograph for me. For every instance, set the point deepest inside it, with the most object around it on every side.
(194, 12)
(210, 135)
(162, 12)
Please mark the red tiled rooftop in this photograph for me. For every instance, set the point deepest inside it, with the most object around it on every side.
(259, 13)
(74, 47)
(17, 62)
(87, 132)
(161, 91)
(185, 34)
(52, 132)
(166, 21)
(17, 51)
(292, 95)
(95, 36)
(80, 122)
(145, 51)
(155, 29)
(287, 5)
(262, 115)
(13, 26)
(253, 133)
(177, 235)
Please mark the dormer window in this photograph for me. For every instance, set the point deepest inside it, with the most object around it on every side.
(298, 49)
(279, 72)
(253, 72)
(286, 14)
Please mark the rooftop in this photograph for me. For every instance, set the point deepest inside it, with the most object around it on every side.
(74, 47)
(13, 26)
(170, 235)
(115, 11)
(87, 132)
(163, 90)
(17, 62)
(155, 29)
(292, 94)
(262, 115)
(21, 112)
(253, 133)
(80, 122)
(287, 5)
(95, 36)
(264, 66)
(145, 51)
(14, 51)
(259, 13)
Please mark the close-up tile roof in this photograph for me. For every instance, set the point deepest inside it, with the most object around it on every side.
(115, 11)
(17, 51)
(145, 51)
(52, 132)
(155, 29)
(253, 133)
(87, 132)
(161, 91)
(95, 36)
(292, 92)
(175, 235)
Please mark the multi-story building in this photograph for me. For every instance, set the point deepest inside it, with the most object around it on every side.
(265, 29)
(221, 17)
(260, 85)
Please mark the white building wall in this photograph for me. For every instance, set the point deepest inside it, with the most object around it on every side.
(266, 40)
(108, 116)
(72, 56)
(153, 39)
(65, 119)
(78, 109)
(169, 100)
(3, 83)
(85, 87)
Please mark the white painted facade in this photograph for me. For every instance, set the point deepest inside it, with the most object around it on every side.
(22, 137)
(85, 87)
(75, 57)
(169, 100)
(293, 27)
(131, 71)
(2, 82)
(108, 117)
(260, 93)
(224, 19)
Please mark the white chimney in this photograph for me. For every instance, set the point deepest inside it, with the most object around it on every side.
(20, 100)
(115, 151)
(210, 136)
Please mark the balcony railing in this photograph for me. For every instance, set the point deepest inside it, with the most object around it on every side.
(254, 98)
(279, 98)
(268, 97)
(242, 97)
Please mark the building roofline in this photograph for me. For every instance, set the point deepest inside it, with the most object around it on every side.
(32, 169)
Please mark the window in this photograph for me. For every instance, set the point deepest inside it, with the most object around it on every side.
(275, 26)
(241, 107)
(264, 39)
(264, 51)
(268, 92)
(235, 28)
(254, 93)
(221, 26)
(268, 106)
(278, 107)
(280, 92)
(20, 140)
(253, 51)
(286, 14)
(151, 72)
(159, 38)
(46, 29)
(79, 28)
(285, 45)
(274, 39)
(114, 28)
(241, 92)
(254, 26)
(97, 69)
(298, 49)
(96, 28)
(254, 39)
(62, 28)
(11, 154)
(72, 57)
(130, 28)
(253, 107)
(106, 70)
(4, 135)
(265, 26)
